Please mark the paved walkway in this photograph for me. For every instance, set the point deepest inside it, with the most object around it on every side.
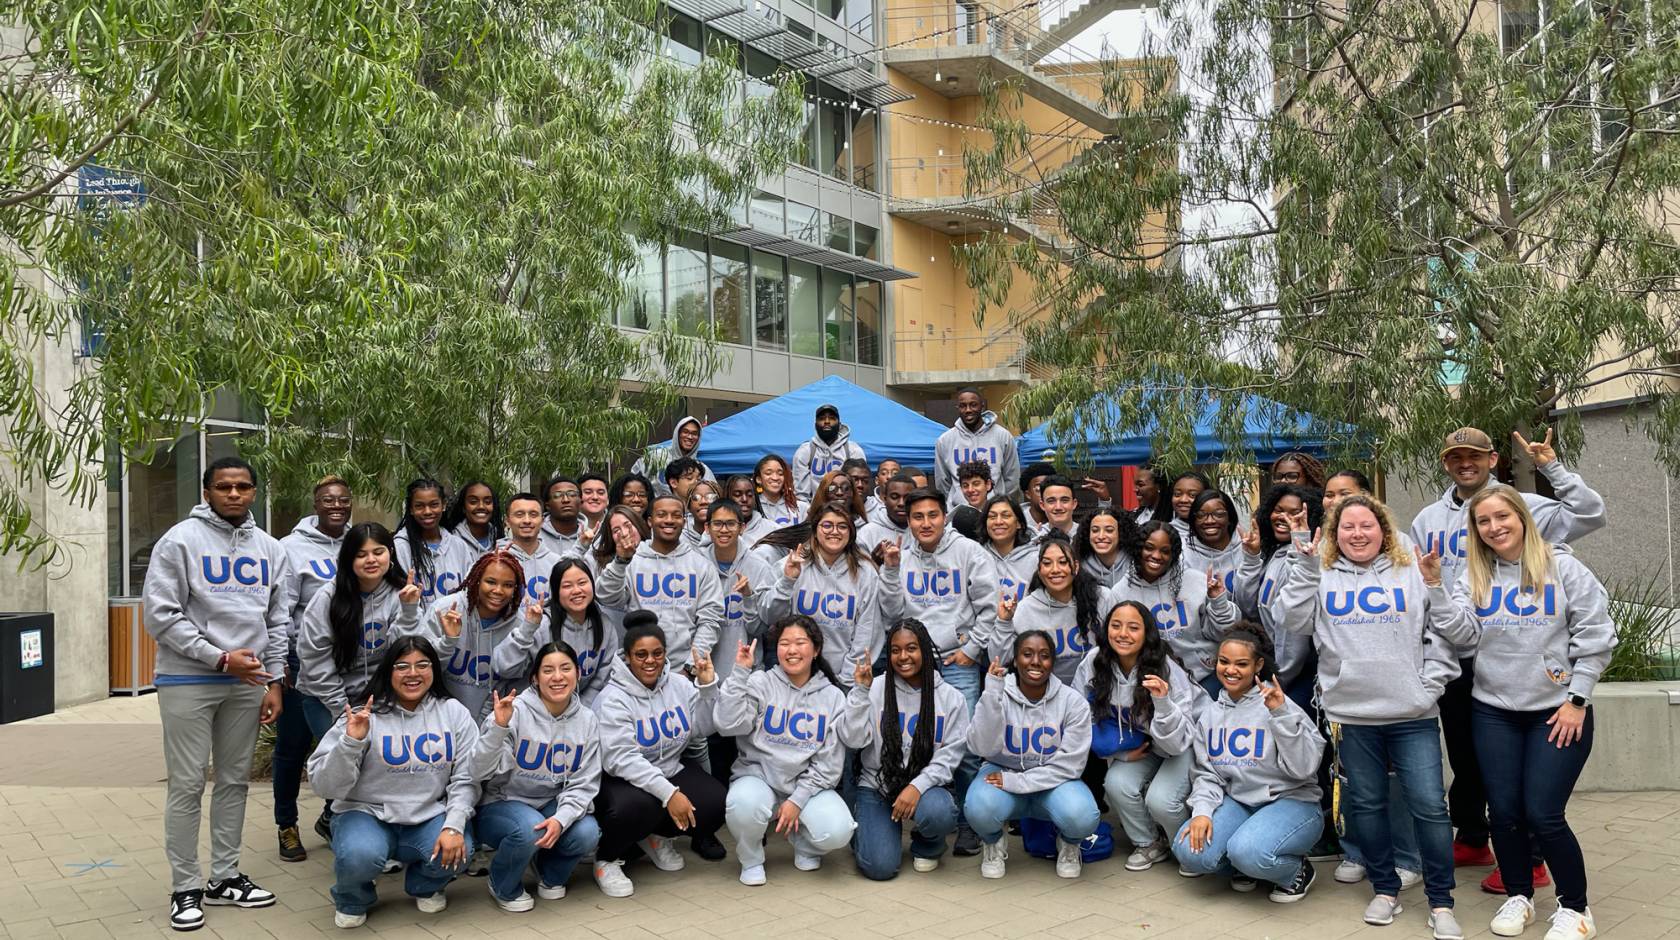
(81, 798)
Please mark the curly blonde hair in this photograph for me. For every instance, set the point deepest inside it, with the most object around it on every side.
(1328, 551)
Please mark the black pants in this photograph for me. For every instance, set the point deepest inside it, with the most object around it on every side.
(721, 752)
(1096, 771)
(1529, 780)
(629, 814)
(1467, 797)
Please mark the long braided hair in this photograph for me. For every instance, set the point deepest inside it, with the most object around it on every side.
(897, 770)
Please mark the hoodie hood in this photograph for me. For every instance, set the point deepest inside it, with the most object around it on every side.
(309, 528)
(987, 419)
(699, 430)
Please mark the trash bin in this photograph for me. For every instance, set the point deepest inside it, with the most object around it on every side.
(26, 666)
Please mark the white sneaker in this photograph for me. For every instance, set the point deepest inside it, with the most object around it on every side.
(807, 862)
(662, 854)
(1572, 925)
(348, 921)
(1350, 872)
(1445, 924)
(433, 904)
(752, 875)
(518, 905)
(609, 877)
(992, 857)
(1409, 878)
(1512, 917)
(1380, 912)
(1067, 859)
(924, 864)
(550, 892)
(1144, 857)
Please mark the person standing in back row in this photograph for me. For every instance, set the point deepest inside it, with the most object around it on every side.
(827, 450)
(1469, 459)
(218, 601)
(975, 436)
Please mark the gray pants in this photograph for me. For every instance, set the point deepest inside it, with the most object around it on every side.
(204, 724)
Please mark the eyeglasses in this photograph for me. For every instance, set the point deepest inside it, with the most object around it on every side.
(724, 525)
(235, 488)
(335, 502)
(1215, 515)
(647, 656)
(834, 526)
(424, 665)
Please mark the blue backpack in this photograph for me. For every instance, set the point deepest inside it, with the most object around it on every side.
(1039, 839)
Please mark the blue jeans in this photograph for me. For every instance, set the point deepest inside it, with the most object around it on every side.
(877, 845)
(1529, 780)
(1399, 827)
(303, 719)
(1149, 792)
(508, 827)
(1413, 749)
(825, 824)
(967, 680)
(1265, 842)
(361, 846)
(1069, 807)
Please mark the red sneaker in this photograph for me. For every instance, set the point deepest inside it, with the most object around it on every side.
(1494, 884)
(1469, 856)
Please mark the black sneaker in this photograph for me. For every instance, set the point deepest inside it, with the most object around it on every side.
(291, 845)
(1297, 889)
(239, 891)
(1328, 848)
(323, 826)
(708, 847)
(967, 843)
(186, 910)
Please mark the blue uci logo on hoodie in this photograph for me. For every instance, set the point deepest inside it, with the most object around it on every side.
(1010, 586)
(670, 724)
(1166, 623)
(800, 728)
(962, 455)
(536, 588)
(908, 722)
(1374, 599)
(1446, 546)
(941, 582)
(373, 635)
(557, 757)
(1070, 640)
(1032, 739)
(244, 571)
(821, 465)
(1518, 602)
(462, 663)
(672, 586)
(826, 604)
(1236, 744)
(426, 749)
(325, 568)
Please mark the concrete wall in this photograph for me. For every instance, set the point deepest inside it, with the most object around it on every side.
(1636, 737)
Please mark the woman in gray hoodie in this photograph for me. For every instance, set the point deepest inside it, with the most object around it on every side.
(831, 580)
(468, 625)
(788, 722)
(1191, 606)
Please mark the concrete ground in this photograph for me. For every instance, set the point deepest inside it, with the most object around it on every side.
(81, 795)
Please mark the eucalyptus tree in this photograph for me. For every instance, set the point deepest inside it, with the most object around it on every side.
(1429, 213)
(397, 228)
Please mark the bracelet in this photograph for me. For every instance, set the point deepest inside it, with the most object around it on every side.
(222, 664)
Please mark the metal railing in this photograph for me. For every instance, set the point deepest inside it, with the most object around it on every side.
(954, 351)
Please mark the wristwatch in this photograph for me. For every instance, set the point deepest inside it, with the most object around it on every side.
(1578, 700)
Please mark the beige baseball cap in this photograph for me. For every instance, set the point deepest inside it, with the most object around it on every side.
(1467, 439)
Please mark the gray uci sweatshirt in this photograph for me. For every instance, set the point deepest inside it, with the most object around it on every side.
(1191, 621)
(789, 737)
(1382, 653)
(1040, 611)
(540, 757)
(744, 615)
(845, 605)
(314, 557)
(537, 566)
(1533, 650)
(860, 729)
(1015, 571)
(451, 560)
(1253, 754)
(213, 587)
(814, 458)
(952, 590)
(468, 659)
(384, 618)
(992, 443)
(1168, 734)
(644, 731)
(1577, 511)
(1257, 584)
(411, 766)
(1039, 745)
(680, 587)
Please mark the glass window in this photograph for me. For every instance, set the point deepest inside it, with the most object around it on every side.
(863, 146)
(682, 38)
(803, 223)
(760, 69)
(868, 309)
(808, 145)
(860, 17)
(685, 275)
(804, 309)
(643, 303)
(769, 301)
(838, 339)
(228, 405)
(731, 302)
(161, 492)
(832, 124)
(767, 213)
(834, 9)
(867, 237)
(839, 232)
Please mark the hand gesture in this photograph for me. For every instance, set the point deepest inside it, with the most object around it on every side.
(1566, 725)
(1215, 584)
(787, 818)
(625, 541)
(356, 720)
(1006, 606)
(247, 667)
(904, 808)
(1272, 693)
(410, 594)
(451, 620)
(502, 706)
(450, 849)
(1305, 545)
(891, 552)
(1156, 685)
(534, 612)
(1541, 453)
(1251, 538)
(550, 829)
(1429, 565)
(996, 670)
(681, 810)
(704, 672)
(746, 654)
(862, 674)
(1098, 487)
(743, 586)
(795, 563)
(586, 535)
(1198, 833)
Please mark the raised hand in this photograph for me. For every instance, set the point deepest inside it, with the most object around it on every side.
(1429, 565)
(534, 612)
(746, 654)
(862, 674)
(625, 541)
(1215, 584)
(704, 672)
(502, 706)
(743, 586)
(356, 720)
(1098, 487)
(892, 552)
(996, 670)
(1541, 453)
(1304, 544)
(1251, 538)
(1156, 686)
(451, 620)
(1006, 606)
(795, 563)
(1272, 693)
(410, 593)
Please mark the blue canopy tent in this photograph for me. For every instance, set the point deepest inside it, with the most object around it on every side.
(882, 427)
(1269, 430)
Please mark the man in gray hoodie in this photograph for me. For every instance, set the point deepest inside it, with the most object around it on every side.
(684, 442)
(670, 578)
(828, 449)
(975, 436)
(218, 600)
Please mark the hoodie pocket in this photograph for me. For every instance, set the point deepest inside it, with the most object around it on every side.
(1378, 689)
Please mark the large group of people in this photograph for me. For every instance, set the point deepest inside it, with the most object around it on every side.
(848, 655)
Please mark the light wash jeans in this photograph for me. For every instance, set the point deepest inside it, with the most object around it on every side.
(1263, 842)
(1070, 807)
(1149, 792)
(824, 823)
(508, 828)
